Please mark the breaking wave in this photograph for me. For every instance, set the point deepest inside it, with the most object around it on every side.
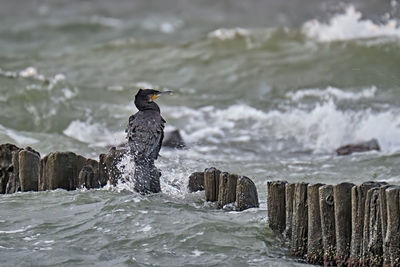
(349, 26)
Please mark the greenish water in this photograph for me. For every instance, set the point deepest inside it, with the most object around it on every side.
(264, 89)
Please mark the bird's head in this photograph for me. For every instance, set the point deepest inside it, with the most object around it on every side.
(144, 99)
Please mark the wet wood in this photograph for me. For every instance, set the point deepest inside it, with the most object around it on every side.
(327, 213)
(315, 250)
(246, 194)
(372, 249)
(358, 196)
(196, 182)
(342, 200)
(211, 183)
(300, 221)
(276, 206)
(29, 163)
(289, 195)
(392, 238)
(227, 189)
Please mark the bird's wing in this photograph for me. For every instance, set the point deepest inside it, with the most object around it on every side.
(145, 132)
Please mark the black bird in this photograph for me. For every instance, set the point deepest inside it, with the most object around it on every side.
(145, 133)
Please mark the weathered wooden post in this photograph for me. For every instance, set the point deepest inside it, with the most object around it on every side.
(392, 239)
(13, 184)
(196, 182)
(227, 189)
(246, 194)
(327, 213)
(276, 206)
(384, 219)
(300, 221)
(111, 161)
(43, 183)
(86, 177)
(6, 151)
(372, 238)
(28, 162)
(103, 172)
(342, 200)
(315, 252)
(61, 171)
(289, 195)
(211, 183)
(358, 196)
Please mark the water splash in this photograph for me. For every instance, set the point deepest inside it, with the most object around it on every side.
(349, 26)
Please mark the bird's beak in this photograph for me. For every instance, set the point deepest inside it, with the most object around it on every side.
(155, 96)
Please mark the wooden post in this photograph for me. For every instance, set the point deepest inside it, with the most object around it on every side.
(28, 170)
(227, 189)
(358, 195)
(392, 239)
(13, 184)
(61, 170)
(6, 164)
(384, 219)
(43, 183)
(327, 213)
(211, 183)
(276, 206)
(103, 172)
(342, 199)
(300, 221)
(86, 177)
(372, 237)
(246, 194)
(196, 182)
(315, 250)
(289, 195)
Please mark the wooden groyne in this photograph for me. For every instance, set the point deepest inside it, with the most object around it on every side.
(338, 225)
(225, 188)
(22, 169)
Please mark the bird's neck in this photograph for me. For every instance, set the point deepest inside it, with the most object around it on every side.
(148, 106)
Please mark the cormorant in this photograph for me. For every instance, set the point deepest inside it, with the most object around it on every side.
(145, 133)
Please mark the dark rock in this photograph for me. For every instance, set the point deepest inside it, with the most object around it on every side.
(360, 147)
(29, 162)
(246, 194)
(196, 182)
(173, 140)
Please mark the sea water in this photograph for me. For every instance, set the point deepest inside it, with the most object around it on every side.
(263, 89)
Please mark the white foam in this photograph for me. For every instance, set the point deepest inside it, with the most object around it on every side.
(325, 127)
(95, 134)
(349, 26)
(16, 231)
(322, 127)
(332, 92)
(19, 138)
(228, 34)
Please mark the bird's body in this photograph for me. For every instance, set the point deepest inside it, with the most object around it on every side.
(145, 133)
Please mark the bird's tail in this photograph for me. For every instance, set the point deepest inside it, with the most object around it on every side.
(146, 177)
